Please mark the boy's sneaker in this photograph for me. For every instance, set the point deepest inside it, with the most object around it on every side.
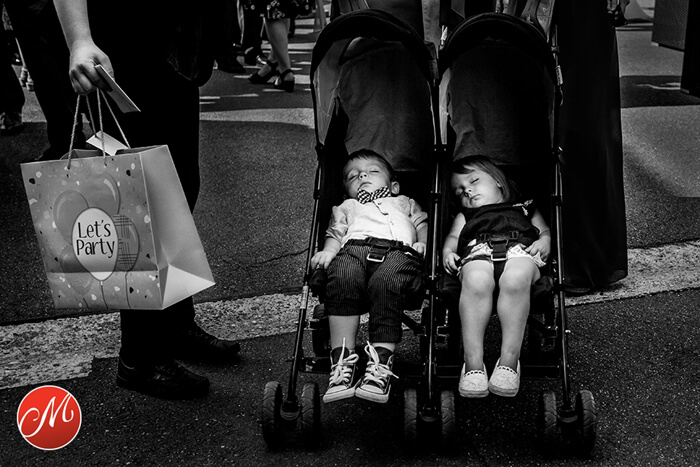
(341, 384)
(376, 384)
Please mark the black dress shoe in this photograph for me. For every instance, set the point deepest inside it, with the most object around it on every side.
(168, 380)
(196, 343)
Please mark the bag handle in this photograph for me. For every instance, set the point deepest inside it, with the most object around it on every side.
(100, 97)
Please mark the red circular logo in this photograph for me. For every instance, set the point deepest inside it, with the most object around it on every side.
(49, 417)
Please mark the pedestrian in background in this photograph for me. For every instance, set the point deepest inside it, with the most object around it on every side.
(251, 35)
(11, 93)
(160, 53)
(45, 54)
(590, 130)
(277, 15)
(229, 44)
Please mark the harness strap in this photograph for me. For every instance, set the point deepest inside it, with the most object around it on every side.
(499, 244)
(380, 247)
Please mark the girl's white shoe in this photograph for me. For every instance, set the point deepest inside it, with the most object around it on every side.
(504, 380)
(473, 383)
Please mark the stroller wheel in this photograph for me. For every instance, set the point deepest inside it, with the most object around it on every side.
(449, 421)
(587, 421)
(410, 418)
(311, 416)
(273, 433)
(547, 420)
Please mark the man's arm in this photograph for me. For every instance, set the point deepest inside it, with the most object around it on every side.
(84, 54)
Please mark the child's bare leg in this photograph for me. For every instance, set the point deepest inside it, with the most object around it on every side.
(475, 305)
(343, 327)
(514, 306)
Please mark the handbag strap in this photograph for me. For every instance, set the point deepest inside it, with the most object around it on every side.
(114, 117)
(75, 127)
(100, 98)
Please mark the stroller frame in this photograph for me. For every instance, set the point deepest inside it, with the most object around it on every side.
(281, 413)
(430, 409)
(574, 424)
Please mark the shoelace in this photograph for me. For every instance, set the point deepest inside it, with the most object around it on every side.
(341, 370)
(377, 373)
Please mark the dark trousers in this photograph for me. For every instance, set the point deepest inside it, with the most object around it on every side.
(44, 49)
(356, 286)
(252, 29)
(169, 115)
(11, 93)
(230, 33)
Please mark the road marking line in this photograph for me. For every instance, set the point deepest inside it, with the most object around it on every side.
(36, 353)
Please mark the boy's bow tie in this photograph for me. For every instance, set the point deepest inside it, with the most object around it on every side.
(364, 196)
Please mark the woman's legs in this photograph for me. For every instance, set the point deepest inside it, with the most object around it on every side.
(514, 306)
(475, 305)
(277, 30)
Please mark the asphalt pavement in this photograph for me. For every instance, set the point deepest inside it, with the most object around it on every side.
(634, 346)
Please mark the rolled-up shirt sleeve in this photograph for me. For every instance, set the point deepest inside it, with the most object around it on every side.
(338, 225)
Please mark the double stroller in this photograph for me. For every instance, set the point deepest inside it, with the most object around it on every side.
(495, 90)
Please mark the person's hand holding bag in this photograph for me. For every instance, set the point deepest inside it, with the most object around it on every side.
(84, 54)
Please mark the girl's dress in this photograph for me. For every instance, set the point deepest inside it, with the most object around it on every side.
(504, 219)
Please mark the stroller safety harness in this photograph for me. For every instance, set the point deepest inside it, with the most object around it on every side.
(499, 244)
(381, 247)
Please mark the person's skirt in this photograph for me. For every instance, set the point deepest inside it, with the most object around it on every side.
(279, 9)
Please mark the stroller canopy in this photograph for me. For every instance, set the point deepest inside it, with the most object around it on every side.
(375, 72)
(497, 91)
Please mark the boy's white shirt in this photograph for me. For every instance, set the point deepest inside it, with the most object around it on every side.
(394, 218)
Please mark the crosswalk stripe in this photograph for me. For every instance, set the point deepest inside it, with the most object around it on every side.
(35, 353)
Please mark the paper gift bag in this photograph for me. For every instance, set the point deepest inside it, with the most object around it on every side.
(115, 232)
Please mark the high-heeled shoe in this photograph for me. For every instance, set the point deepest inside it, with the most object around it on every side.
(257, 78)
(281, 83)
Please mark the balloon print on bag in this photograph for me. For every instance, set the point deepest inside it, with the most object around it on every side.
(100, 240)
(95, 242)
(78, 277)
(66, 209)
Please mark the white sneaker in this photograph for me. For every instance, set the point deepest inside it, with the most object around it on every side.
(504, 380)
(341, 384)
(376, 384)
(473, 383)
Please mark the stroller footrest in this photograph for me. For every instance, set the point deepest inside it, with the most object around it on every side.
(541, 371)
(409, 369)
(448, 370)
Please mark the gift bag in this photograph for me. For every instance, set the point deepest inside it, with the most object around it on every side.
(115, 232)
